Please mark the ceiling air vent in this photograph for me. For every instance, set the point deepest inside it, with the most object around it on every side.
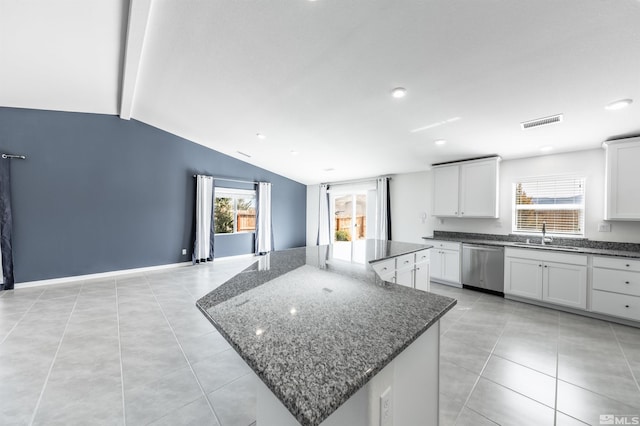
(545, 121)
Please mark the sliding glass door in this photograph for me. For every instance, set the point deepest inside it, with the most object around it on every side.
(349, 217)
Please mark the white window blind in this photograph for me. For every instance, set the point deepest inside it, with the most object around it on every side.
(558, 202)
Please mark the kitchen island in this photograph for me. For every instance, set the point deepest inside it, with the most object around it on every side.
(327, 337)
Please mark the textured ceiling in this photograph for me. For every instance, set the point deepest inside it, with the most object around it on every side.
(315, 77)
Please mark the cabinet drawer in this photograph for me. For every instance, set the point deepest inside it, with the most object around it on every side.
(385, 268)
(405, 261)
(619, 305)
(447, 245)
(626, 282)
(422, 256)
(616, 263)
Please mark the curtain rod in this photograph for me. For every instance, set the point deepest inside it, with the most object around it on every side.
(19, 157)
(232, 180)
(344, 182)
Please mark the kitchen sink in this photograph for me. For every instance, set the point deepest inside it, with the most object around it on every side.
(547, 246)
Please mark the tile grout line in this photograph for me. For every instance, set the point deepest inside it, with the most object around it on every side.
(626, 359)
(53, 361)
(22, 317)
(124, 410)
(206, 397)
(466, 401)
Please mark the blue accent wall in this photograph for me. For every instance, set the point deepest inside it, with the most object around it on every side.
(99, 194)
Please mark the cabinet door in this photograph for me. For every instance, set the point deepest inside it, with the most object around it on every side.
(523, 277)
(435, 258)
(421, 277)
(623, 180)
(479, 189)
(445, 190)
(451, 265)
(565, 284)
(405, 277)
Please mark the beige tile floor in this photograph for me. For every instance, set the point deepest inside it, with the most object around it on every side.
(134, 350)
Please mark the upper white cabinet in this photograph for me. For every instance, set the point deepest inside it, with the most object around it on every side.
(622, 176)
(466, 189)
(445, 190)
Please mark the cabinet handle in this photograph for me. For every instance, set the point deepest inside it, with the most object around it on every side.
(545, 266)
(626, 306)
(626, 282)
(462, 213)
(539, 266)
(417, 269)
(455, 212)
(406, 261)
(628, 265)
(384, 269)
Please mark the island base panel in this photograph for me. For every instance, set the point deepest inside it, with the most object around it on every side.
(414, 380)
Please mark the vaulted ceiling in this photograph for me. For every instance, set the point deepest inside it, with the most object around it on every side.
(315, 77)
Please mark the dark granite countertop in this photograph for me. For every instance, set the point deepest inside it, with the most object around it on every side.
(316, 323)
(605, 249)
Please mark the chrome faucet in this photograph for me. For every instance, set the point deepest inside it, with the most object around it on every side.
(545, 239)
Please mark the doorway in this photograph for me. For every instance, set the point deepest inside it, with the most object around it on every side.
(349, 213)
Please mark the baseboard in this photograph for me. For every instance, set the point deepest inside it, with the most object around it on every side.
(99, 275)
(109, 274)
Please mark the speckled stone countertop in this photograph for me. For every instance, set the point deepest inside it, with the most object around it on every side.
(566, 245)
(316, 324)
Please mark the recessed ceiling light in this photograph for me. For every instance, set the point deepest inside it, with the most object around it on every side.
(619, 104)
(546, 148)
(294, 152)
(399, 92)
(260, 136)
(440, 142)
(330, 169)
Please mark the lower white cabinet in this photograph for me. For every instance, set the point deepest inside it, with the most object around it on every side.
(445, 262)
(548, 276)
(616, 287)
(523, 277)
(410, 270)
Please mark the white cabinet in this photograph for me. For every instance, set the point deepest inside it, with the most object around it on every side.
(548, 276)
(445, 262)
(622, 177)
(616, 287)
(523, 277)
(466, 189)
(565, 284)
(410, 270)
(445, 190)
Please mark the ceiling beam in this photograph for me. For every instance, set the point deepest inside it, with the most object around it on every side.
(139, 12)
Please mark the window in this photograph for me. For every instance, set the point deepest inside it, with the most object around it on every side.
(557, 202)
(234, 211)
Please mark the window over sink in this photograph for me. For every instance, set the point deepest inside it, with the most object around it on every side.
(557, 202)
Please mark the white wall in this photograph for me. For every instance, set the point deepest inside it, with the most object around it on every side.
(411, 195)
(313, 206)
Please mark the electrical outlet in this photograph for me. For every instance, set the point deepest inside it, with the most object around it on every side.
(184, 252)
(386, 408)
(604, 227)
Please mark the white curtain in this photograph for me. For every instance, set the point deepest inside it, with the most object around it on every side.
(383, 211)
(203, 245)
(324, 223)
(264, 235)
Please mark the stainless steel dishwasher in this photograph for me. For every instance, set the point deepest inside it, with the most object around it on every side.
(483, 268)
